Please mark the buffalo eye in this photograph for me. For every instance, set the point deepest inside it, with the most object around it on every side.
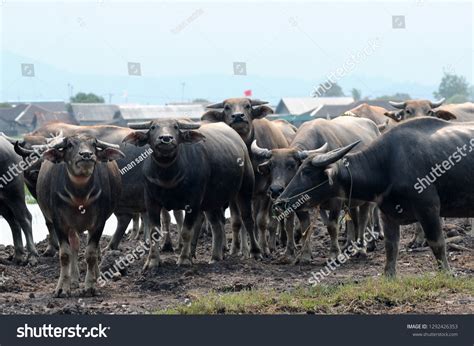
(176, 127)
(247, 106)
(408, 111)
(227, 107)
(152, 127)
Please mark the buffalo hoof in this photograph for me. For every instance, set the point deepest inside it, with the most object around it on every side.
(151, 263)
(62, 292)
(184, 262)
(215, 260)
(89, 292)
(234, 250)
(74, 284)
(371, 246)
(256, 254)
(32, 259)
(18, 259)
(285, 259)
(167, 247)
(416, 243)
(390, 274)
(303, 258)
(50, 251)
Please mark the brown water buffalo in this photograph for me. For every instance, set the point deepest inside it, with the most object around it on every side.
(288, 130)
(418, 108)
(78, 188)
(436, 159)
(12, 201)
(374, 113)
(247, 118)
(314, 138)
(199, 169)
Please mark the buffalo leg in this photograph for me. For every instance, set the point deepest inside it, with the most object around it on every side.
(262, 223)
(154, 222)
(179, 217)
(63, 288)
(53, 244)
(290, 239)
(16, 234)
(236, 225)
(215, 219)
(418, 239)
(431, 224)
(187, 234)
(333, 230)
(136, 227)
(272, 233)
(305, 254)
(23, 217)
(245, 207)
(122, 223)
(199, 226)
(74, 243)
(165, 229)
(92, 260)
(392, 242)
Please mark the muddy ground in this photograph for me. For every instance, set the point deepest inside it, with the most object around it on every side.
(28, 290)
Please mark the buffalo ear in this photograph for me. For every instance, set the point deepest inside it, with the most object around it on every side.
(191, 136)
(138, 138)
(397, 116)
(261, 112)
(54, 155)
(212, 116)
(331, 173)
(442, 114)
(264, 168)
(109, 154)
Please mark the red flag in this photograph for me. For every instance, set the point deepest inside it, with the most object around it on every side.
(248, 93)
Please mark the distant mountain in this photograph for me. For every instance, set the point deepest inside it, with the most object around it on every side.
(51, 83)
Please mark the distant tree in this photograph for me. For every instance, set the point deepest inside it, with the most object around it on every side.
(394, 97)
(198, 100)
(457, 99)
(356, 94)
(333, 90)
(451, 85)
(5, 105)
(86, 98)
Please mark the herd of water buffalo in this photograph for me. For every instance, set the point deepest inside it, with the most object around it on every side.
(410, 165)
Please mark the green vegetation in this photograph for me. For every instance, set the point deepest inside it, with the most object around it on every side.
(87, 98)
(329, 298)
(452, 85)
(394, 97)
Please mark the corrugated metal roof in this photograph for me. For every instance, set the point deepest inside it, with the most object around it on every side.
(301, 105)
(135, 112)
(99, 112)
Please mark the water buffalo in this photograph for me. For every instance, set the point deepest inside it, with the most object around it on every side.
(197, 171)
(417, 108)
(417, 171)
(131, 201)
(288, 130)
(315, 137)
(12, 201)
(247, 118)
(78, 188)
(374, 113)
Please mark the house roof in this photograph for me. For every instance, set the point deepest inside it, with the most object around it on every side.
(137, 112)
(43, 118)
(95, 112)
(11, 114)
(53, 106)
(301, 105)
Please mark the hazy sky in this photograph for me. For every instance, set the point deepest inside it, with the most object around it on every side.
(285, 45)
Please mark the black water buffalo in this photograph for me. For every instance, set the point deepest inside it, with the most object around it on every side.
(418, 171)
(197, 171)
(315, 137)
(247, 118)
(131, 201)
(12, 201)
(78, 188)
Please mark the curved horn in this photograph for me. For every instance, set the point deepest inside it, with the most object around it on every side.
(11, 140)
(303, 154)
(331, 157)
(216, 105)
(257, 102)
(104, 145)
(438, 103)
(262, 152)
(144, 125)
(188, 126)
(23, 152)
(399, 105)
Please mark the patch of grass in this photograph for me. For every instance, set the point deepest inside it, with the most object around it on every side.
(328, 298)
